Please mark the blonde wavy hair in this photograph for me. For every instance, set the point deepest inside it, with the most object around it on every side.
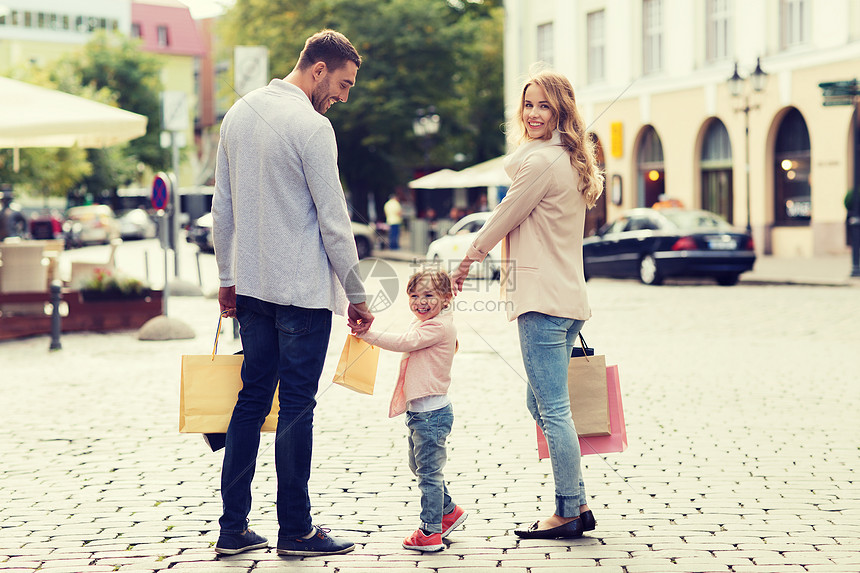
(571, 127)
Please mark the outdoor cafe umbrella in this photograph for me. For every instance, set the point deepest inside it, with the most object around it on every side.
(33, 116)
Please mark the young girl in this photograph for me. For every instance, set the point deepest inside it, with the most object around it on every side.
(421, 392)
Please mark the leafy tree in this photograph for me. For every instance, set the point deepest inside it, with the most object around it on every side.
(416, 54)
(117, 63)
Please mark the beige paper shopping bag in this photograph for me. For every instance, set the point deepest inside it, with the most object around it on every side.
(357, 366)
(589, 401)
(209, 387)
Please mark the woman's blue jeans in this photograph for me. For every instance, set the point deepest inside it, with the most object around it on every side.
(427, 457)
(286, 343)
(546, 343)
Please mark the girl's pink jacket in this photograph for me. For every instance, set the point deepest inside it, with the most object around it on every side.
(428, 351)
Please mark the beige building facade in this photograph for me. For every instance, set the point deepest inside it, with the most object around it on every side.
(651, 77)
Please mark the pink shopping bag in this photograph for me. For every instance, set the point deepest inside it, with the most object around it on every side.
(616, 441)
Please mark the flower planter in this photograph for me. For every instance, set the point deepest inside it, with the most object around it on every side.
(88, 295)
(104, 314)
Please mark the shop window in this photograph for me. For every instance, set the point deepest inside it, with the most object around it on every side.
(650, 166)
(792, 192)
(716, 163)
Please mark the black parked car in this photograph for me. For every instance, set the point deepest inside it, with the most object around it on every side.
(655, 244)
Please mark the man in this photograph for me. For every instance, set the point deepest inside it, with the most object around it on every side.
(285, 254)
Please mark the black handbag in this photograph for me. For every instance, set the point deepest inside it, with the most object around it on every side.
(583, 350)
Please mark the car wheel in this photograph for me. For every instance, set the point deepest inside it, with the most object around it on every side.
(730, 279)
(362, 245)
(649, 272)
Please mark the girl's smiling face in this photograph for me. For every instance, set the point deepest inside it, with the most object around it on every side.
(537, 115)
(425, 301)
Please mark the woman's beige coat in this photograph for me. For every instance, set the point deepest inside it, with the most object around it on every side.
(541, 220)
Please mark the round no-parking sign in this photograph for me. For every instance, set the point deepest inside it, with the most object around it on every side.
(161, 187)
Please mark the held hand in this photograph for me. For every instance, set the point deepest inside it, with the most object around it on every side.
(458, 277)
(227, 300)
(359, 318)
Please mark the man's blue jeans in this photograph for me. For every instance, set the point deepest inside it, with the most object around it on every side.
(286, 343)
(427, 456)
(546, 343)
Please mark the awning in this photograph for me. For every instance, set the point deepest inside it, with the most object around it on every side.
(487, 174)
(33, 116)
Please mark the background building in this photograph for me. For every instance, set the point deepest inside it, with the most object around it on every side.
(651, 78)
(42, 31)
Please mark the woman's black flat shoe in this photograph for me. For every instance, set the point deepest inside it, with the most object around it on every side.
(588, 521)
(570, 530)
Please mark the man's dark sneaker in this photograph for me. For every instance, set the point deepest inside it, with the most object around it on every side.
(320, 543)
(233, 543)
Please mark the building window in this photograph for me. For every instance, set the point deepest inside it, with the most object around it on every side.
(792, 192)
(135, 30)
(596, 32)
(718, 31)
(162, 36)
(652, 36)
(545, 43)
(28, 19)
(717, 171)
(793, 23)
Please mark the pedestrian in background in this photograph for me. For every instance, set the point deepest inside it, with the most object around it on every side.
(286, 260)
(541, 219)
(393, 218)
(422, 393)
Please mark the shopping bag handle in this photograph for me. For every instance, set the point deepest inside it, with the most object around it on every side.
(217, 334)
(585, 347)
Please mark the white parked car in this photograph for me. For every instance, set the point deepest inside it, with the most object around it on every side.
(137, 224)
(449, 250)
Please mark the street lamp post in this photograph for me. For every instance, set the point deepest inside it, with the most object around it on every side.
(737, 87)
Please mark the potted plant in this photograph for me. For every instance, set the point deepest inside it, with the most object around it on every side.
(105, 285)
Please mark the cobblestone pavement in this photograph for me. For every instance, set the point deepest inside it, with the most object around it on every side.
(741, 406)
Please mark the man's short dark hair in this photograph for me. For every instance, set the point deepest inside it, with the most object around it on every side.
(330, 47)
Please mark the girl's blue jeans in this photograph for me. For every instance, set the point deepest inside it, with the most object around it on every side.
(427, 456)
(286, 343)
(546, 342)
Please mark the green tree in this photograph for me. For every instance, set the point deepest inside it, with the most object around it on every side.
(416, 54)
(117, 63)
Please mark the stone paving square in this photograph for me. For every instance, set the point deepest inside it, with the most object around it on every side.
(741, 407)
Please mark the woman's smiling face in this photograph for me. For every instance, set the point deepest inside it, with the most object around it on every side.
(537, 115)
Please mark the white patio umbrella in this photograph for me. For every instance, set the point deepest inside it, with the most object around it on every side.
(33, 116)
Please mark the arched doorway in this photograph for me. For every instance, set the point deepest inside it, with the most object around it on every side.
(716, 165)
(650, 165)
(596, 216)
(792, 198)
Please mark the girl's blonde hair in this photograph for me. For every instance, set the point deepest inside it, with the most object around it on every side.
(440, 280)
(571, 127)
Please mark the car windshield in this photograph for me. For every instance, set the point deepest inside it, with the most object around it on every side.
(696, 220)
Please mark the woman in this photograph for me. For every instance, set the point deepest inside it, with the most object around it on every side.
(541, 219)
